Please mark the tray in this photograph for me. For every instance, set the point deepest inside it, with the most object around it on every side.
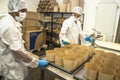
(72, 71)
(79, 75)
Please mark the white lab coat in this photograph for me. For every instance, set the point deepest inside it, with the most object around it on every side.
(71, 31)
(13, 68)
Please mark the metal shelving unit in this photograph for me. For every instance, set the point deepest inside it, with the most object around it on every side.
(51, 44)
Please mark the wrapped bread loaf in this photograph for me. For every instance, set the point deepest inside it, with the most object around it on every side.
(69, 63)
(90, 71)
(101, 53)
(100, 57)
(84, 54)
(79, 59)
(50, 55)
(97, 61)
(113, 56)
(59, 58)
(117, 77)
(106, 74)
(108, 65)
(66, 47)
(113, 61)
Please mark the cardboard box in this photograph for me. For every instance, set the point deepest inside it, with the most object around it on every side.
(66, 1)
(30, 22)
(35, 39)
(32, 15)
(32, 28)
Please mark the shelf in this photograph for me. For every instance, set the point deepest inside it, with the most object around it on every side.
(52, 34)
(58, 12)
(49, 22)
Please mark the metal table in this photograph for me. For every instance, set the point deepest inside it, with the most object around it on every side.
(61, 75)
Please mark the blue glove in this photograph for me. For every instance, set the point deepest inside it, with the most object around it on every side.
(88, 39)
(42, 63)
(65, 41)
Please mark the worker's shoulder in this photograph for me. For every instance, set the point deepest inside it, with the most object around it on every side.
(6, 22)
(68, 20)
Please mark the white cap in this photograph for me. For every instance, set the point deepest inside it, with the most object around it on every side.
(16, 5)
(77, 10)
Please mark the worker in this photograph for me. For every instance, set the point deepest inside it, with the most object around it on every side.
(71, 29)
(14, 58)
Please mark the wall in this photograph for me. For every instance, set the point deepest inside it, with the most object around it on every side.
(90, 8)
(3, 5)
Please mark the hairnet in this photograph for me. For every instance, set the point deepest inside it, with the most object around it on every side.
(16, 5)
(77, 10)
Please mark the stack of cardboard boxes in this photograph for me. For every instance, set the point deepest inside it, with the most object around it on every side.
(33, 36)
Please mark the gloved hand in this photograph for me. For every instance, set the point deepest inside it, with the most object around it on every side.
(42, 63)
(65, 41)
(88, 39)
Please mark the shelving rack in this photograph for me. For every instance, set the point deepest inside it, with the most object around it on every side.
(51, 44)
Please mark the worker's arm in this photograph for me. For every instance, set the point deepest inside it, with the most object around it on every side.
(64, 30)
(83, 36)
(11, 38)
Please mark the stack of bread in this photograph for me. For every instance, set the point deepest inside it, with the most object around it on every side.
(108, 66)
(69, 56)
(47, 5)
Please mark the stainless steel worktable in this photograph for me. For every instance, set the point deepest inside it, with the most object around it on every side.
(61, 75)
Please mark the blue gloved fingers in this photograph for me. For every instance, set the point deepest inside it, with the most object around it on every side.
(64, 42)
(42, 63)
(88, 39)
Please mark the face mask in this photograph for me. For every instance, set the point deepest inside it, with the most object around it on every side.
(21, 17)
(74, 18)
(78, 18)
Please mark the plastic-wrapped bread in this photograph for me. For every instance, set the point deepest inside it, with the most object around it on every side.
(69, 7)
(59, 58)
(91, 51)
(59, 49)
(118, 68)
(84, 54)
(100, 52)
(100, 57)
(68, 62)
(66, 47)
(90, 71)
(117, 77)
(97, 61)
(109, 61)
(63, 8)
(106, 74)
(113, 56)
(50, 55)
(108, 65)
(79, 59)
(69, 52)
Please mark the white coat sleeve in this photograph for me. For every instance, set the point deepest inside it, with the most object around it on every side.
(82, 34)
(64, 29)
(11, 38)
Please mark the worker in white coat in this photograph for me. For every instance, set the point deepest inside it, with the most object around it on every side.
(14, 58)
(71, 32)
